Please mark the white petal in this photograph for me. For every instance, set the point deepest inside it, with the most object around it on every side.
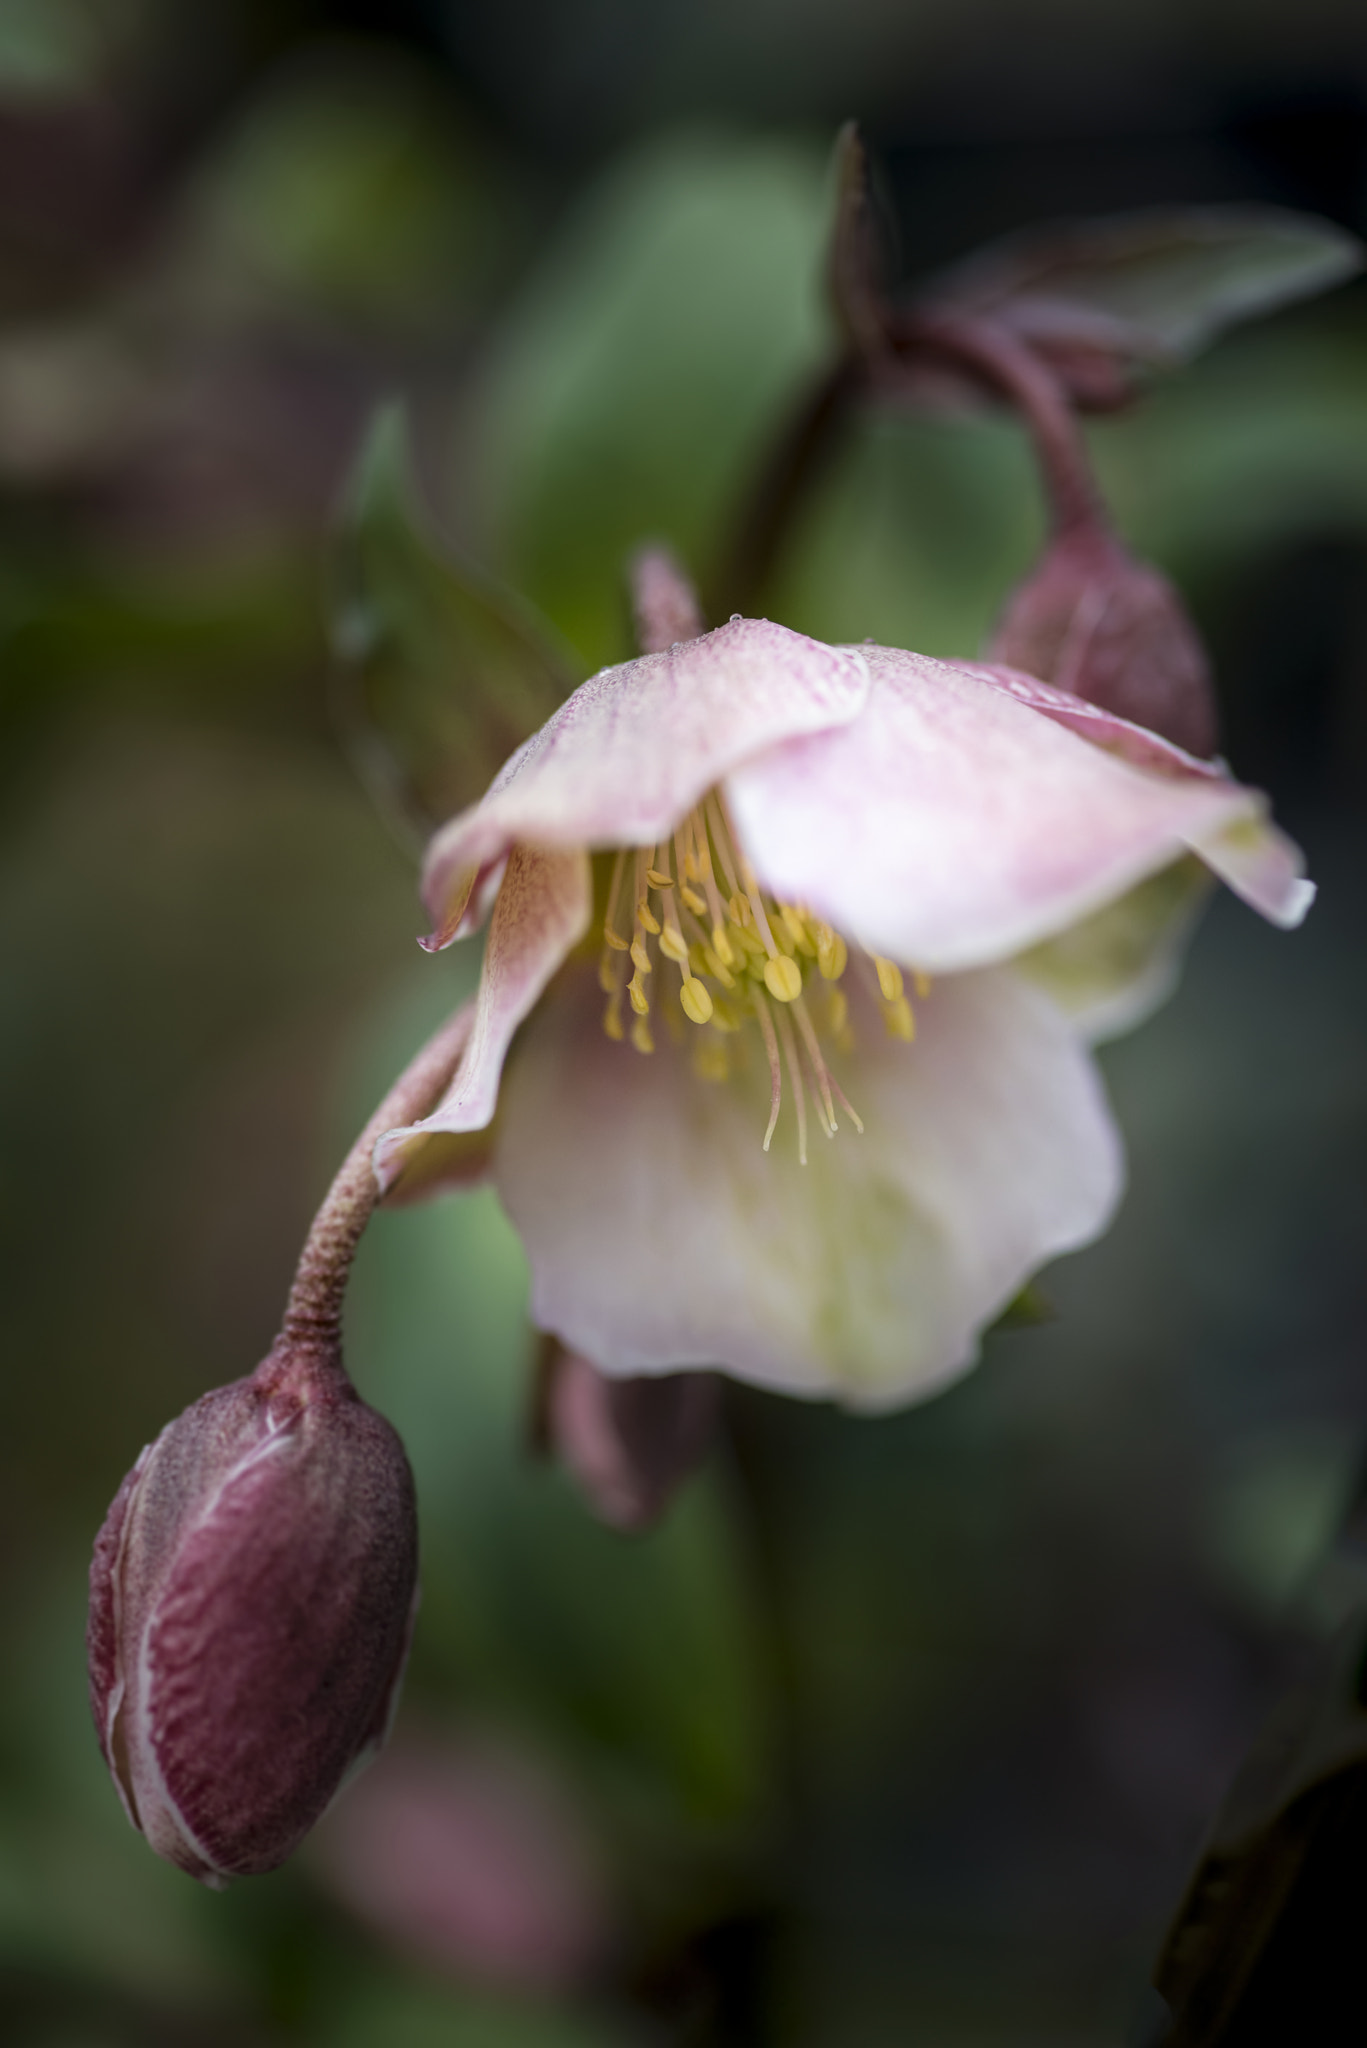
(542, 911)
(954, 824)
(636, 746)
(661, 1235)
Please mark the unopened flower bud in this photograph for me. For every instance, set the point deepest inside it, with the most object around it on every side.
(252, 1592)
(629, 1443)
(1093, 620)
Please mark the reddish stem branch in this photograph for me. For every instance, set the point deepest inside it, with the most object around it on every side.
(313, 1313)
(1016, 371)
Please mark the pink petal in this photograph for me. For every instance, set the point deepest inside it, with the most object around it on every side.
(637, 745)
(1133, 743)
(542, 911)
(953, 824)
(662, 1236)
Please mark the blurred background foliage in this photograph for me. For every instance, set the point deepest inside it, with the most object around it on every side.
(903, 1730)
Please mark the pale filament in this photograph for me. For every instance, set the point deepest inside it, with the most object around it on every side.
(695, 900)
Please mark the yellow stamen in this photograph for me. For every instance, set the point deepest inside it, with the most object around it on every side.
(783, 978)
(889, 978)
(738, 947)
(797, 928)
(921, 984)
(899, 1020)
(609, 972)
(713, 963)
(697, 1003)
(766, 1025)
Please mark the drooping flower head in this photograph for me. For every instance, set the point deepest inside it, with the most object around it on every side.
(752, 876)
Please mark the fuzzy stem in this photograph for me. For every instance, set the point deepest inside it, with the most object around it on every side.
(994, 353)
(313, 1313)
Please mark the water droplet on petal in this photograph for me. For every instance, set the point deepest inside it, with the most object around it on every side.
(735, 618)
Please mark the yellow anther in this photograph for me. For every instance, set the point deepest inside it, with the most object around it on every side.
(725, 1015)
(832, 956)
(798, 930)
(837, 1012)
(672, 944)
(640, 958)
(640, 1036)
(721, 946)
(612, 1017)
(783, 978)
(697, 1003)
(922, 985)
(889, 978)
(899, 1020)
(696, 903)
(615, 940)
(709, 1058)
(716, 968)
(646, 916)
(640, 1001)
(692, 872)
(607, 973)
(657, 880)
(740, 910)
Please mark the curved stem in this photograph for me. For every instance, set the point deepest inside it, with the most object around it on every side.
(994, 353)
(313, 1313)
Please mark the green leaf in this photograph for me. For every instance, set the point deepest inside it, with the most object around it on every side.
(440, 674)
(1155, 286)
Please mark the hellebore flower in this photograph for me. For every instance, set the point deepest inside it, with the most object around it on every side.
(755, 877)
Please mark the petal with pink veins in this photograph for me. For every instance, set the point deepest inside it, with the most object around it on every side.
(662, 1236)
(952, 825)
(542, 912)
(636, 746)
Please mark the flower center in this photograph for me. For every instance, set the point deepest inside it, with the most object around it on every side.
(742, 957)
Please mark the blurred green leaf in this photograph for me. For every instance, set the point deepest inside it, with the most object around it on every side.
(441, 676)
(1158, 285)
(355, 182)
(647, 364)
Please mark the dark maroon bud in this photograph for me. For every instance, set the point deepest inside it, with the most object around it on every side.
(630, 1443)
(251, 1601)
(1091, 619)
(251, 1606)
